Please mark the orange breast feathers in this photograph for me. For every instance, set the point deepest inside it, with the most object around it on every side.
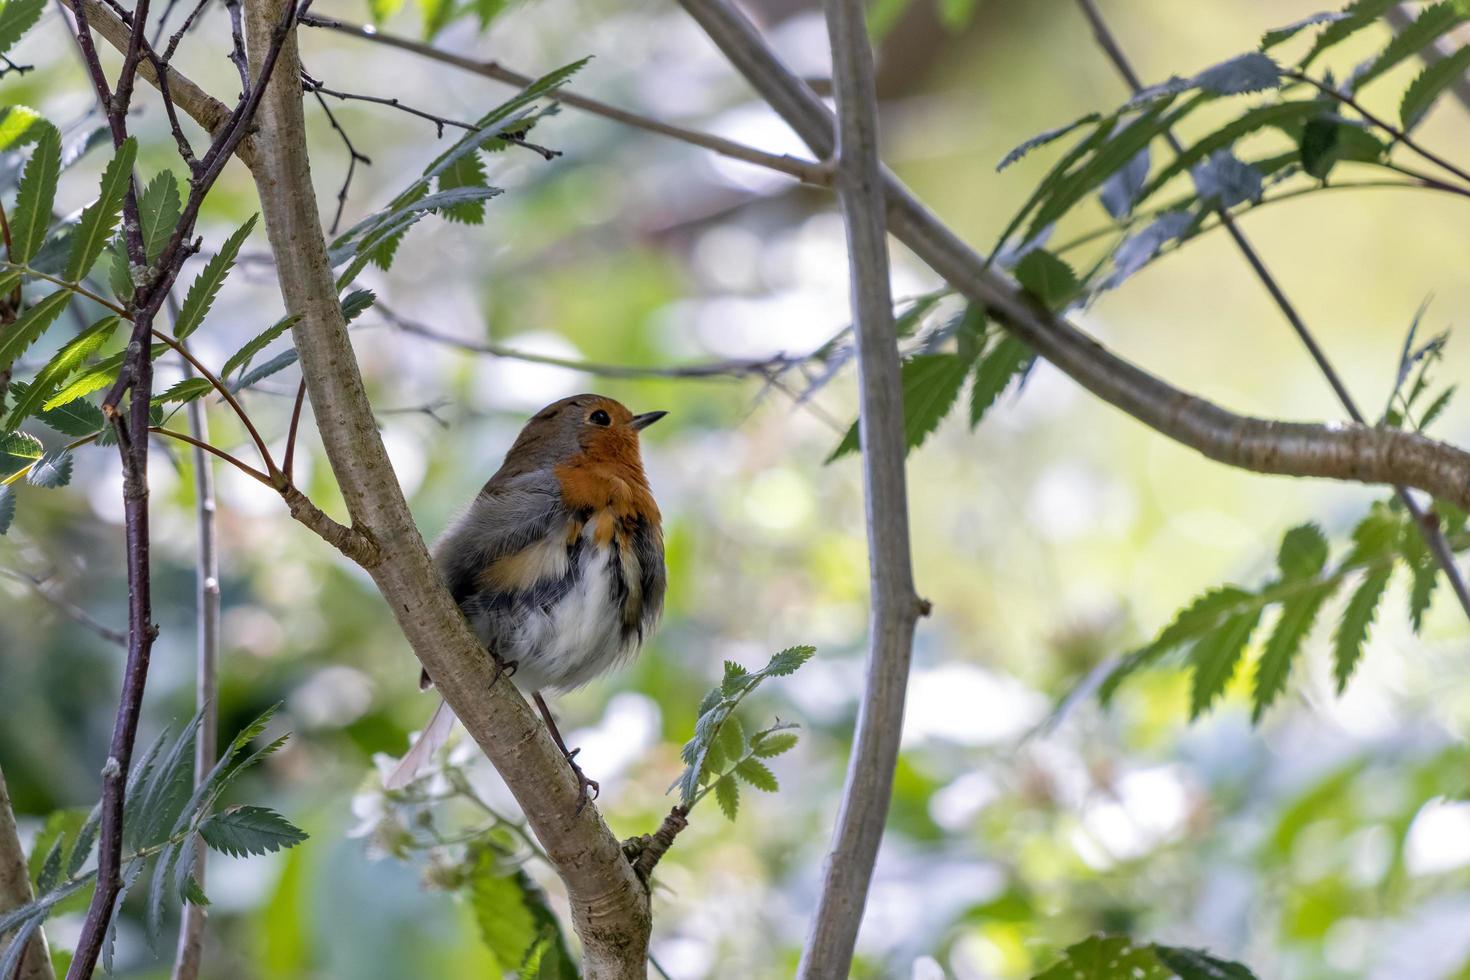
(609, 489)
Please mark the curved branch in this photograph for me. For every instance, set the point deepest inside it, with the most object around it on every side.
(609, 905)
(895, 607)
(1340, 452)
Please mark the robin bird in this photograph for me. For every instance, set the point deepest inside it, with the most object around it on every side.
(558, 563)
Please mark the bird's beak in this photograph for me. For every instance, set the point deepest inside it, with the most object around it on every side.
(641, 422)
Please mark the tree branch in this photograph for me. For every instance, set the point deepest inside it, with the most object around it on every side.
(15, 891)
(1429, 528)
(1341, 452)
(895, 607)
(609, 905)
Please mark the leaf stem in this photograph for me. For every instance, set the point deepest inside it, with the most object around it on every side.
(75, 287)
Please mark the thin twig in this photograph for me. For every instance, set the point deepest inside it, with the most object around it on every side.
(69, 609)
(353, 159)
(806, 171)
(234, 461)
(226, 393)
(1428, 525)
(190, 952)
(289, 463)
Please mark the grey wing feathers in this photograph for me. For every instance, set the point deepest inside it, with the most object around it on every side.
(505, 518)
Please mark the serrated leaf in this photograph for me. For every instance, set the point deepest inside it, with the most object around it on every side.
(18, 450)
(1327, 140)
(775, 744)
(119, 270)
(1431, 83)
(7, 508)
(52, 470)
(1107, 958)
(163, 868)
(164, 789)
(1047, 278)
(1249, 72)
(1436, 407)
(467, 171)
(260, 372)
(1432, 23)
(1197, 964)
(185, 391)
(245, 830)
(1297, 615)
(257, 344)
(1251, 121)
(30, 398)
(1214, 659)
(29, 327)
(35, 196)
(734, 680)
(1224, 181)
(731, 741)
(788, 661)
(159, 208)
(1042, 139)
(100, 218)
(757, 774)
(356, 303)
(931, 383)
(17, 17)
(1055, 177)
(1276, 36)
(1203, 615)
(1119, 192)
(206, 285)
(1006, 360)
(50, 867)
(1352, 629)
(1303, 552)
(1356, 16)
(1421, 592)
(727, 795)
(513, 916)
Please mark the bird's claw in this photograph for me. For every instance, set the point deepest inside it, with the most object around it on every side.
(505, 668)
(587, 789)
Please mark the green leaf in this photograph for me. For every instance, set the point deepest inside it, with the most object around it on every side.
(757, 774)
(19, 125)
(119, 270)
(100, 218)
(1107, 958)
(257, 344)
(735, 680)
(1006, 360)
(260, 372)
(788, 661)
(732, 738)
(931, 383)
(774, 744)
(186, 390)
(1430, 85)
(1377, 535)
(510, 910)
(1200, 617)
(1436, 407)
(17, 450)
(1042, 139)
(158, 213)
(1196, 964)
(467, 171)
(1326, 141)
(1274, 37)
(1303, 552)
(1358, 15)
(50, 377)
(244, 830)
(52, 470)
(1057, 175)
(1431, 24)
(1214, 659)
(162, 790)
(1352, 629)
(1421, 592)
(17, 17)
(1252, 120)
(206, 285)
(7, 508)
(1249, 72)
(29, 327)
(35, 196)
(727, 795)
(1297, 615)
(1047, 278)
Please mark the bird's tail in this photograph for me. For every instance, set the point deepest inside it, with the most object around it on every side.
(434, 735)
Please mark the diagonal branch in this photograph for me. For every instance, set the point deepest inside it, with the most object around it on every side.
(895, 607)
(1429, 527)
(1341, 452)
(610, 907)
(15, 891)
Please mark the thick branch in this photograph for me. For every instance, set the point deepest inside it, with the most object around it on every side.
(895, 608)
(1341, 452)
(15, 891)
(609, 905)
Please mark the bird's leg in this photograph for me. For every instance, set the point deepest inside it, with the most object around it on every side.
(585, 784)
(506, 668)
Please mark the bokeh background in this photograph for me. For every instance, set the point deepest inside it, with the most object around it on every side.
(1057, 535)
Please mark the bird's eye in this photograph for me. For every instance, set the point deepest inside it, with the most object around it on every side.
(599, 417)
